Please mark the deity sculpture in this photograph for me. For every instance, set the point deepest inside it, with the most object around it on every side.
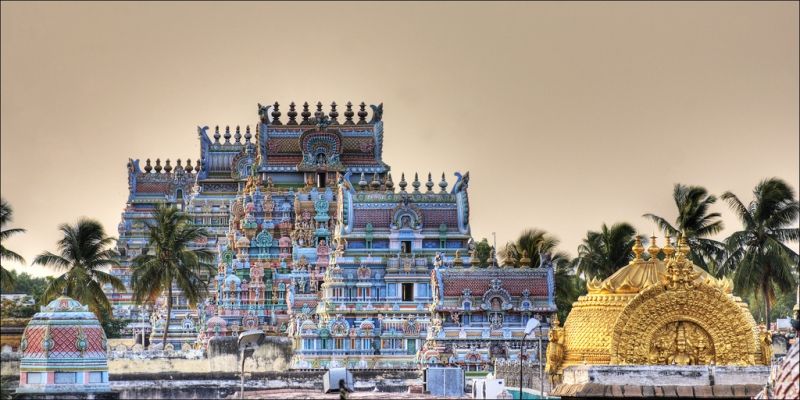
(555, 353)
(765, 341)
(682, 354)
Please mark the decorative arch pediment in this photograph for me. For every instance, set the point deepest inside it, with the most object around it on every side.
(495, 293)
(321, 151)
(663, 326)
(406, 217)
(242, 164)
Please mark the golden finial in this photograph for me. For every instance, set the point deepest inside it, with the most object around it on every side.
(653, 249)
(683, 246)
(638, 249)
(457, 261)
(525, 261)
(668, 249)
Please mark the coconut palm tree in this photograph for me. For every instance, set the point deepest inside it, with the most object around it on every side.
(759, 258)
(171, 261)
(83, 253)
(6, 279)
(603, 253)
(569, 286)
(533, 242)
(696, 222)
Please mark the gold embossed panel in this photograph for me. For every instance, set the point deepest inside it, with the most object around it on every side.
(681, 343)
(703, 309)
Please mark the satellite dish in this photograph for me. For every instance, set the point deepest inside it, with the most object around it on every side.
(532, 324)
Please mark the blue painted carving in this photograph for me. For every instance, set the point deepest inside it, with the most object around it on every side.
(263, 239)
(205, 148)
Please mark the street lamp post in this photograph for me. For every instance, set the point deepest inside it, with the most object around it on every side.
(532, 324)
(494, 249)
(541, 370)
(248, 340)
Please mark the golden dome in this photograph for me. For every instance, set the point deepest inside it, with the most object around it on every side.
(654, 312)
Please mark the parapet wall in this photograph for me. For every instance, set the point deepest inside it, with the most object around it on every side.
(222, 358)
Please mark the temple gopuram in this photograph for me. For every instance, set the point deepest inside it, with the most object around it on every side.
(315, 240)
(660, 326)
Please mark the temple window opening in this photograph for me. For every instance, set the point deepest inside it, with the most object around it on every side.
(408, 291)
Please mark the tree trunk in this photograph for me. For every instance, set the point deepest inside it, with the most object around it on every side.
(169, 315)
(765, 293)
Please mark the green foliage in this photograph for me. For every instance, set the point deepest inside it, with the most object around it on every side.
(483, 251)
(603, 253)
(758, 257)
(6, 213)
(5, 389)
(27, 284)
(781, 307)
(113, 326)
(14, 309)
(695, 221)
(532, 242)
(170, 261)
(569, 286)
(83, 252)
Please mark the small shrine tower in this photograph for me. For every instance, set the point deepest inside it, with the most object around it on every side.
(64, 354)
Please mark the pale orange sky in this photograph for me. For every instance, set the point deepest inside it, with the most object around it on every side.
(566, 115)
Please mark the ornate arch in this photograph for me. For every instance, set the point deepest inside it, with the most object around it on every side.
(321, 150)
(496, 291)
(707, 311)
(411, 212)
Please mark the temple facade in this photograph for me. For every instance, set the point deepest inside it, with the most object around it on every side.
(315, 240)
(479, 314)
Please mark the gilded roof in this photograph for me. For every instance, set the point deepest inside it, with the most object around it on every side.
(658, 311)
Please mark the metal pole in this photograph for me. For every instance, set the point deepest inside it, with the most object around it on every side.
(241, 385)
(521, 350)
(141, 312)
(494, 252)
(541, 371)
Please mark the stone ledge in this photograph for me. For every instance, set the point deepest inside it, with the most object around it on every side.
(579, 390)
(653, 375)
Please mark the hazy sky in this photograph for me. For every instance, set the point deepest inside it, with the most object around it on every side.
(566, 115)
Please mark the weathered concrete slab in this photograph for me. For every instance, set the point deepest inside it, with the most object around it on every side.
(660, 375)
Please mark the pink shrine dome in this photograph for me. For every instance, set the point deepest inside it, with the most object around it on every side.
(216, 326)
(63, 350)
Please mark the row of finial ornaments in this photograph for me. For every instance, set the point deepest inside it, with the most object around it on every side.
(678, 271)
(376, 183)
(653, 250)
(332, 118)
(237, 136)
(167, 168)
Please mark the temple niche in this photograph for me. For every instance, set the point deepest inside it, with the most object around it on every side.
(681, 343)
(656, 312)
